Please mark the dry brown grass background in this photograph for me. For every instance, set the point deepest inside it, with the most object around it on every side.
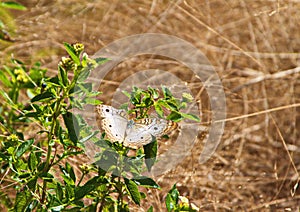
(254, 46)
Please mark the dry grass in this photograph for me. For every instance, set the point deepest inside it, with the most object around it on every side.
(254, 46)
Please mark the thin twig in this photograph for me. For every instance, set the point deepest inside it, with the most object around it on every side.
(277, 75)
(260, 112)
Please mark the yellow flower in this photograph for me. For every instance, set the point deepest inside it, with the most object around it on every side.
(13, 137)
(21, 76)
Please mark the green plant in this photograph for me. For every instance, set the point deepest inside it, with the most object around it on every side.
(114, 156)
(38, 137)
(30, 162)
(176, 203)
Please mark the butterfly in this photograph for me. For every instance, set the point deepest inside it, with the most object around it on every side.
(132, 133)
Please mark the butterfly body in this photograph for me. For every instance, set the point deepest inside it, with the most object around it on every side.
(132, 133)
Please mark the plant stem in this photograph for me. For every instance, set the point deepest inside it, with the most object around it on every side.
(14, 98)
(81, 178)
(49, 146)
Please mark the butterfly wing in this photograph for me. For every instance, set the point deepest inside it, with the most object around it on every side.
(114, 122)
(159, 127)
(137, 135)
(140, 133)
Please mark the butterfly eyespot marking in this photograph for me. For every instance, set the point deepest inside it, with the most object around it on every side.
(155, 128)
(110, 125)
(107, 110)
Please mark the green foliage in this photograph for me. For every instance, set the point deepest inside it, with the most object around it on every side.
(176, 203)
(114, 158)
(12, 5)
(164, 104)
(39, 132)
(144, 100)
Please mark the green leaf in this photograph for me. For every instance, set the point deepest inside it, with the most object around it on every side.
(70, 171)
(154, 92)
(175, 116)
(16, 61)
(94, 94)
(124, 106)
(103, 143)
(32, 161)
(148, 101)
(190, 116)
(146, 182)
(183, 105)
(70, 192)
(32, 184)
(159, 110)
(46, 176)
(150, 209)
(24, 147)
(89, 186)
(88, 137)
(26, 175)
(88, 87)
(92, 101)
(170, 204)
(85, 61)
(84, 75)
(80, 192)
(186, 97)
(32, 114)
(163, 103)
(59, 191)
(166, 92)
(6, 97)
(4, 79)
(37, 108)
(43, 96)
(62, 76)
(174, 194)
(109, 161)
(72, 125)
(22, 200)
(150, 153)
(68, 180)
(13, 5)
(71, 51)
(126, 94)
(172, 104)
(54, 81)
(10, 150)
(41, 166)
(135, 99)
(134, 164)
(101, 60)
(133, 190)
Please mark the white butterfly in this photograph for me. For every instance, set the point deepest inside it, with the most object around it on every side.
(134, 134)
